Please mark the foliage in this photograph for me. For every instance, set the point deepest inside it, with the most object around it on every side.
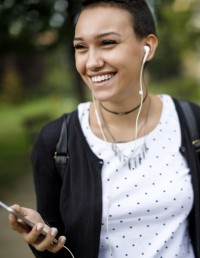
(15, 138)
(29, 26)
(178, 34)
(30, 23)
(29, 30)
(181, 88)
(11, 84)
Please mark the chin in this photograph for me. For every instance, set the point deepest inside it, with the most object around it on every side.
(102, 96)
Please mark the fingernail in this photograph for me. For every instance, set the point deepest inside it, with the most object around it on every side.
(11, 217)
(54, 231)
(39, 227)
(62, 239)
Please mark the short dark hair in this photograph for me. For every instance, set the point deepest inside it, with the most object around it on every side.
(142, 17)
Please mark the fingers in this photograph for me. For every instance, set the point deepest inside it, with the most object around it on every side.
(42, 243)
(40, 236)
(55, 248)
(34, 235)
(30, 214)
(15, 225)
(23, 211)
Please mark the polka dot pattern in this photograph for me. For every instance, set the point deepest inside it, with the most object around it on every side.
(145, 210)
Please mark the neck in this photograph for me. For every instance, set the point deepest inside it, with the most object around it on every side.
(122, 127)
(123, 113)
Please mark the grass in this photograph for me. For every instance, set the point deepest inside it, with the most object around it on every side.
(15, 141)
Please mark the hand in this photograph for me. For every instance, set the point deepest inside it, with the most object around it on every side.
(33, 236)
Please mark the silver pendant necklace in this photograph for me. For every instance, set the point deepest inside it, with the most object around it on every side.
(133, 161)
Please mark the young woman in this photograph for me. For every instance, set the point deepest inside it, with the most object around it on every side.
(127, 189)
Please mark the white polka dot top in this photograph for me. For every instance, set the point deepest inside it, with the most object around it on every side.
(145, 209)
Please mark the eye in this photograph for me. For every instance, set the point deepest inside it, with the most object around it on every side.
(80, 47)
(108, 42)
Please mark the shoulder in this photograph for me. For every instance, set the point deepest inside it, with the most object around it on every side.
(189, 116)
(195, 107)
(49, 134)
(52, 128)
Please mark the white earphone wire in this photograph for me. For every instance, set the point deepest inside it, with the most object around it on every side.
(141, 101)
(147, 49)
(136, 134)
(69, 251)
(98, 118)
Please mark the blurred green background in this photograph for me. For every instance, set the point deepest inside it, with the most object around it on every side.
(38, 81)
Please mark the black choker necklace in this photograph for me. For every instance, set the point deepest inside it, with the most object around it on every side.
(124, 113)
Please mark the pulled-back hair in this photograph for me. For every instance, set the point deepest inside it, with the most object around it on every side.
(142, 18)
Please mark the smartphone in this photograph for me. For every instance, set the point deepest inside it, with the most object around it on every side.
(23, 219)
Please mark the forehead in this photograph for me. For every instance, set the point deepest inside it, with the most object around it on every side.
(101, 19)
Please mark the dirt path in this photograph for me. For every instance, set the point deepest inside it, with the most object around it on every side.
(22, 192)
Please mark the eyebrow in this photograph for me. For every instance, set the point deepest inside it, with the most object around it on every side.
(100, 35)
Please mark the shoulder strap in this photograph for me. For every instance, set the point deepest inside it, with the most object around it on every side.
(61, 154)
(191, 123)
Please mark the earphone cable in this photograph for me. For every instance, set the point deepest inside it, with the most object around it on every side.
(69, 251)
(98, 118)
(141, 102)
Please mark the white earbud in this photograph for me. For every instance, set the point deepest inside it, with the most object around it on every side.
(147, 50)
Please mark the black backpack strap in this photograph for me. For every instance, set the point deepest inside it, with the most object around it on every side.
(191, 123)
(61, 154)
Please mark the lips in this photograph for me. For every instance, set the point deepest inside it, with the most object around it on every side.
(101, 78)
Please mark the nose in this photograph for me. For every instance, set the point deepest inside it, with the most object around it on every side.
(94, 60)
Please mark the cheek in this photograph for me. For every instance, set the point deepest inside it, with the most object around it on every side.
(132, 56)
(125, 58)
(80, 67)
(126, 65)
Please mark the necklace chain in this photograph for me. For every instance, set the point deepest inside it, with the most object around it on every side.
(124, 113)
(132, 161)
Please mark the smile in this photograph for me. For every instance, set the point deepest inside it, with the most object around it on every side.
(101, 78)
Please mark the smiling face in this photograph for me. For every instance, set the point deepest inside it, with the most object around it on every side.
(108, 54)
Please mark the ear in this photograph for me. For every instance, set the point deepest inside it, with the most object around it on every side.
(152, 42)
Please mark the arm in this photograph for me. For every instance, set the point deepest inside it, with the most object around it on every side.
(47, 185)
(46, 179)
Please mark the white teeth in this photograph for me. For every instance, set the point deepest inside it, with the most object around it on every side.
(101, 78)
